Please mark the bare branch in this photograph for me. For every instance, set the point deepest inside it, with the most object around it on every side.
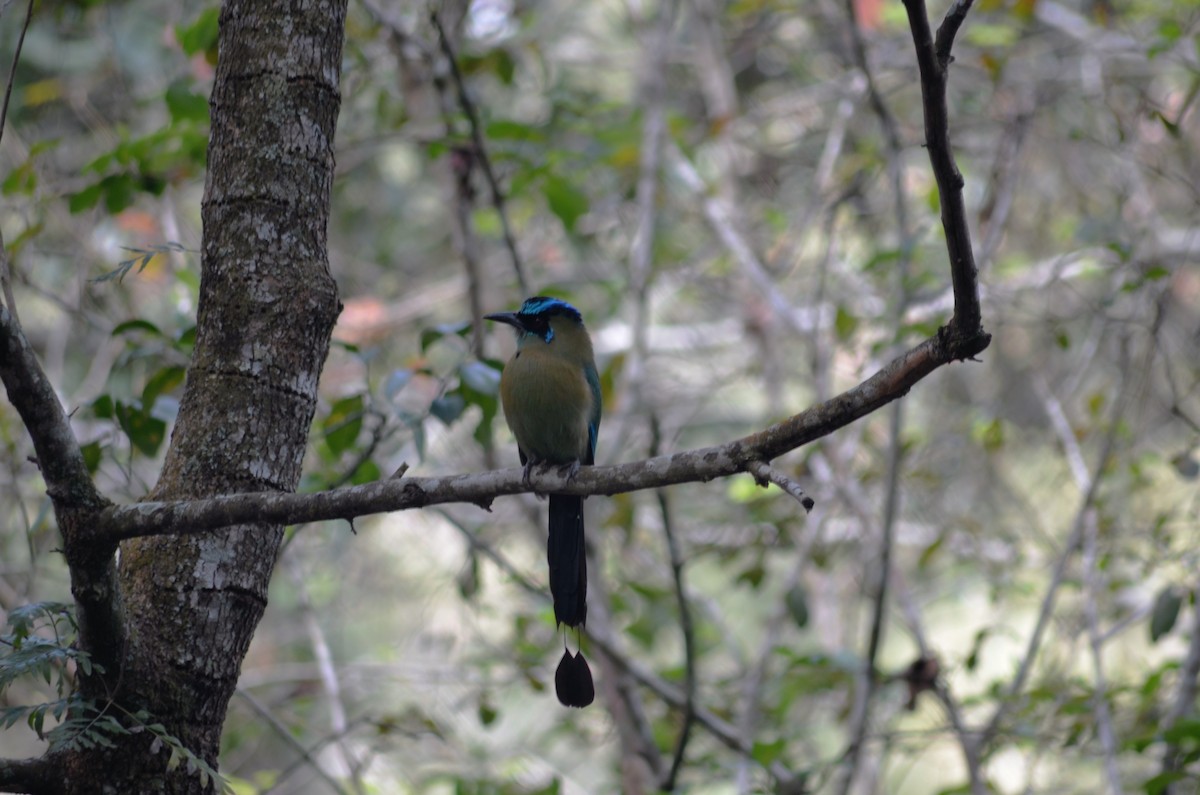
(31, 393)
(719, 216)
(1008, 700)
(1185, 694)
(290, 740)
(967, 317)
(198, 516)
(723, 731)
(1104, 724)
(12, 73)
(75, 498)
(468, 108)
(689, 642)
(642, 765)
(955, 16)
(330, 682)
(42, 775)
(868, 676)
(764, 473)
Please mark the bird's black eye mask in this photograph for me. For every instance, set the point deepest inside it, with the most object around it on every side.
(537, 325)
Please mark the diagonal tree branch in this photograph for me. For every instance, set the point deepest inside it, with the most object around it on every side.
(199, 516)
(40, 774)
(75, 500)
(31, 393)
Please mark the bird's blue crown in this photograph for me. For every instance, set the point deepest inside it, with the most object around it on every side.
(542, 306)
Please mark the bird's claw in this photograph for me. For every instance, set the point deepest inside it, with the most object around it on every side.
(569, 471)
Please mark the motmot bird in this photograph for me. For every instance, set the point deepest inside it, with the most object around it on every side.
(550, 391)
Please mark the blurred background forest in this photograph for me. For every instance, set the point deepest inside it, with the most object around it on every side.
(737, 197)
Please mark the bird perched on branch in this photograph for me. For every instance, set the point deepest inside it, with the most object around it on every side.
(551, 396)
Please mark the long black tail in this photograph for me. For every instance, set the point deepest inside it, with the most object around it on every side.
(568, 563)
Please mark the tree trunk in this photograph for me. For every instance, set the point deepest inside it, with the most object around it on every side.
(267, 308)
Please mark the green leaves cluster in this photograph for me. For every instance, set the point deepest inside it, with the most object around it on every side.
(38, 644)
(143, 419)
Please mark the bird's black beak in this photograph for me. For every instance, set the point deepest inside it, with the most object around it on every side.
(510, 318)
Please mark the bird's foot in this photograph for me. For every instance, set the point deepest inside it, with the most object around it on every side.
(526, 472)
(569, 471)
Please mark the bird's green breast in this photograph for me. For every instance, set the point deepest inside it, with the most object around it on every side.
(547, 403)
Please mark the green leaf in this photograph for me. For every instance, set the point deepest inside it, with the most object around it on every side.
(844, 324)
(565, 200)
(102, 407)
(1162, 782)
(504, 129)
(1165, 613)
(448, 408)
(119, 192)
(366, 472)
(91, 456)
(37, 719)
(84, 200)
(752, 575)
(161, 382)
(797, 605)
(136, 324)
(432, 335)
(765, 753)
(1186, 466)
(343, 423)
(144, 431)
(480, 377)
(184, 104)
(22, 179)
(1183, 730)
(201, 34)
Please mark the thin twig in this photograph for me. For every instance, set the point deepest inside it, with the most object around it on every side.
(756, 677)
(328, 674)
(12, 74)
(720, 217)
(5, 265)
(642, 763)
(1104, 724)
(829, 466)
(1185, 697)
(725, 733)
(290, 740)
(718, 727)
(641, 255)
(764, 473)
(688, 630)
(1009, 699)
(955, 16)
(468, 108)
(868, 677)
(1090, 530)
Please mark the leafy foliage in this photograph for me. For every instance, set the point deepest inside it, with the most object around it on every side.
(1074, 129)
(38, 643)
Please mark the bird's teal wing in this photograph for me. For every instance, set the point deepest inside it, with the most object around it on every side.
(593, 380)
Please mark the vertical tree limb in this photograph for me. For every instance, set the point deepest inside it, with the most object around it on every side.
(933, 61)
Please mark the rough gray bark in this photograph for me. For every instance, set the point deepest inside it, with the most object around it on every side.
(173, 624)
(267, 308)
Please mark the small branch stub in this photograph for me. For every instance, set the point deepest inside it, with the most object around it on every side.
(764, 474)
